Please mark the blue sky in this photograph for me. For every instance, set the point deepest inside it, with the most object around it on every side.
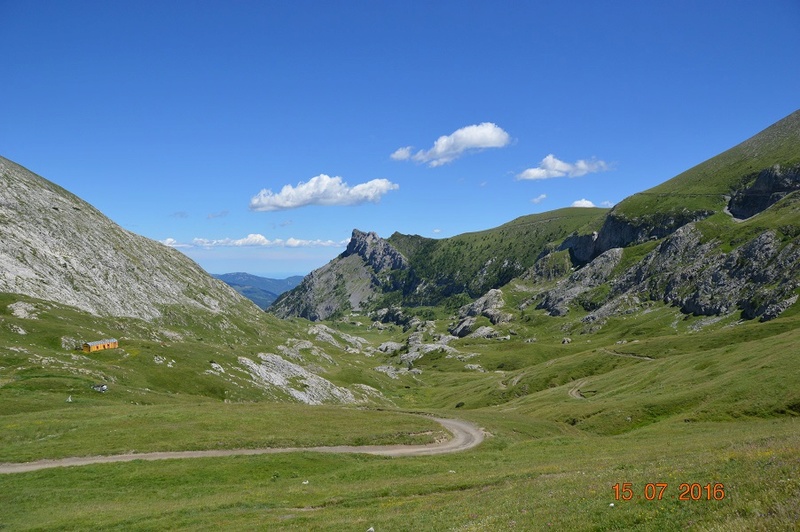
(254, 136)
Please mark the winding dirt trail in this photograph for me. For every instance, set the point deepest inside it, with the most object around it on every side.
(465, 436)
(575, 391)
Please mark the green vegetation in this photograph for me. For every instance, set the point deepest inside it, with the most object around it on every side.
(652, 397)
(517, 481)
(473, 263)
(572, 406)
(704, 187)
(87, 428)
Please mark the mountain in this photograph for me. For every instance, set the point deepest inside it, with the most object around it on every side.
(718, 238)
(349, 280)
(56, 247)
(262, 291)
(582, 341)
(741, 182)
(69, 275)
(416, 271)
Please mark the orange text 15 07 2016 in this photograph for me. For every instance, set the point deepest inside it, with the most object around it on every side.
(656, 491)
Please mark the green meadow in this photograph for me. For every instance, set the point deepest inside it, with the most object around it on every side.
(649, 402)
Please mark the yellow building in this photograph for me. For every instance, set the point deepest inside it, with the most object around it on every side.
(99, 345)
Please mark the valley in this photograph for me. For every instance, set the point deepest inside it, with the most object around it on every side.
(553, 358)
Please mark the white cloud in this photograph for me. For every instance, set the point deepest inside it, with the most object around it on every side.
(437, 231)
(582, 203)
(402, 154)
(255, 240)
(606, 204)
(538, 199)
(321, 190)
(450, 147)
(551, 167)
(171, 242)
(258, 240)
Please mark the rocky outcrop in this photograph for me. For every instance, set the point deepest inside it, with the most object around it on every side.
(489, 305)
(56, 247)
(760, 278)
(619, 231)
(273, 372)
(770, 186)
(376, 252)
(484, 332)
(463, 327)
(347, 283)
(597, 272)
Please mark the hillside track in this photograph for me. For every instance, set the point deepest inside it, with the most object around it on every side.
(575, 391)
(465, 436)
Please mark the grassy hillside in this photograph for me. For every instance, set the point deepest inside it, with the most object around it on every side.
(472, 263)
(653, 397)
(174, 359)
(704, 187)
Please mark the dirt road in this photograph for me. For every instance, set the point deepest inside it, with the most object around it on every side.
(575, 391)
(465, 436)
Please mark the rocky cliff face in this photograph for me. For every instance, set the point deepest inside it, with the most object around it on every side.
(760, 278)
(692, 266)
(770, 186)
(490, 305)
(376, 252)
(619, 231)
(594, 274)
(348, 282)
(56, 247)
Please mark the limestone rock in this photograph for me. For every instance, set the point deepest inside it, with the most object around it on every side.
(488, 305)
(56, 247)
(484, 332)
(348, 282)
(760, 277)
(597, 272)
(375, 251)
(769, 186)
(390, 347)
(463, 328)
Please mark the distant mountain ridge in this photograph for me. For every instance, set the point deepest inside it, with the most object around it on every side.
(262, 291)
(685, 242)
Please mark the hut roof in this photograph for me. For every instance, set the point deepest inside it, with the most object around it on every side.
(100, 342)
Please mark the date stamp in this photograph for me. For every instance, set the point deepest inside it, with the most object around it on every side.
(656, 491)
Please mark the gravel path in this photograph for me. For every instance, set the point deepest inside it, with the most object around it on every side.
(465, 436)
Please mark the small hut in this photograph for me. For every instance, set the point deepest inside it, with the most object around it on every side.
(99, 345)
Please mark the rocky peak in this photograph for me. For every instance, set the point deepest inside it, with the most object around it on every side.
(348, 282)
(375, 251)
